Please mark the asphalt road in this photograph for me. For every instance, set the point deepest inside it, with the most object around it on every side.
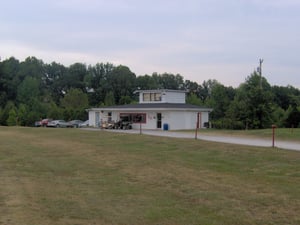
(223, 139)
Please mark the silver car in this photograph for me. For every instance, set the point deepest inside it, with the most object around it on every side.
(84, 124)
(58, 123)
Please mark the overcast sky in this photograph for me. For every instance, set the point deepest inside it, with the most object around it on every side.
(198, 39)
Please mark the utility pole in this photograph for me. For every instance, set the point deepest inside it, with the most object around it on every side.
(260, 71)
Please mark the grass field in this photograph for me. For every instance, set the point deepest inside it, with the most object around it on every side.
(72, 176)
(284, 134)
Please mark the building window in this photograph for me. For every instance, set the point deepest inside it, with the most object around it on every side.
(157, 97)
(146, 97)
(133, 117)
(151, 97)
(109, 116)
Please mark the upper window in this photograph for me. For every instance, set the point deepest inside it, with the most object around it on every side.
(151, 97)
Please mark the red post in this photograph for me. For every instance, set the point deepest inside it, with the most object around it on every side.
(197, 126)
(273, 135)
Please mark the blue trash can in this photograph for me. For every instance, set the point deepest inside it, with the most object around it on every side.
(166, 126)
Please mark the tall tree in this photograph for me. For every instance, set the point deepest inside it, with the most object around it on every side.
(97, 83)
(75, 77)
(109, 99)
(122, 82)
(146, 82)
(219, 100)
(74, 102)
(28, 90)
(75, 99)
(253, 103)
(169, 81)
(286, 96)
(53, 82)
(8, 82)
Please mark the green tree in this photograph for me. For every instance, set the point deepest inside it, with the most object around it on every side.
(109, 99)
(168, 81)
(23, 115)
(74, 102)
(205, 90)
(191, 87)
(286, 96)
(146, 82)
(28, 90)
(252, 104)
(278, 116)
(5, 112)
(219, 99)
(121, 82)
(54, 112)
(75, 77)
(75, 99)
(125, 100)
(8, 81)
(96, 80)
(53, 85)
(193, 99)
(293, 118)
(12, 119)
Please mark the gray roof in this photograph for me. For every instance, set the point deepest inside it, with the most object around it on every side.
(178, 106)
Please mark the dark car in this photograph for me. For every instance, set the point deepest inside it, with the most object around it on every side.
(75, 123)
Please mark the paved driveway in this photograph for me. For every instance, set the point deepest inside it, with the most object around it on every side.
(224, 139)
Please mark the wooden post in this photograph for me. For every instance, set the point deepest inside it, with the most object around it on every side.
(273, 135)
(140, 127)
(197, 124)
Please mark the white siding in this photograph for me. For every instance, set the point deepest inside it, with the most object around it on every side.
(176, 120)
(92, 118)
(180, 120)
(167, 96)
(173, 97)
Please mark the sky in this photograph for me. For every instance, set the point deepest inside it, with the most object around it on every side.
(198, 39)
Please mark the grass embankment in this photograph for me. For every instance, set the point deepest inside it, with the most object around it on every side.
(71, 176)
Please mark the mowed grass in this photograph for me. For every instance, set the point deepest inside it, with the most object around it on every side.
(73, 176)
(284, 134)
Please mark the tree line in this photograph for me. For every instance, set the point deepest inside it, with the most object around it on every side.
(31, 90)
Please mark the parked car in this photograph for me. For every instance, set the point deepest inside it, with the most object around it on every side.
(84, 124)
(75, 123)
(59, 123)
(44, 122)
(38, 123)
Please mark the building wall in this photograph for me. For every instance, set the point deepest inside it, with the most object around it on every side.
(173, 97)
(175, 120)
(92, 118)
(166, 97)
(180, 120)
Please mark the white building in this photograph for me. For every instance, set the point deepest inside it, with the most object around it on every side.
(157, 109)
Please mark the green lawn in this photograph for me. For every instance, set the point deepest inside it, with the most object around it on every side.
(73, 176)
(285, 134)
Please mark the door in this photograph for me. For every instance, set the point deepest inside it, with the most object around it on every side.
(97, 119)
(158, 120)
